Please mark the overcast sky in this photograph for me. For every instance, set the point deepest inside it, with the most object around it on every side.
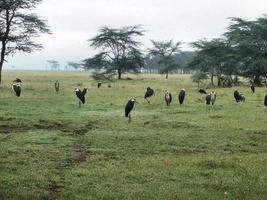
(73, 22)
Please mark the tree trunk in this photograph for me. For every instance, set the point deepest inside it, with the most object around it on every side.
(257, 80)
(167, 75)
(211, 79)
(219, 81)
(236, 80)
(2, 58)
(119, 73)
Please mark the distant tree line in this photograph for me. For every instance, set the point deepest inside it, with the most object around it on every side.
(241, 51)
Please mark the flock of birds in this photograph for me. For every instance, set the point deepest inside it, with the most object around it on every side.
(210, 97)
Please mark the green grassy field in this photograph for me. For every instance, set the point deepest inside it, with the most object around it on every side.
(51, 149)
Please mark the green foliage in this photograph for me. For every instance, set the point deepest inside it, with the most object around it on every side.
(19, 27)
(241, 52)
(120, 51)
(165, 52)
(249, 38)
(198, 77)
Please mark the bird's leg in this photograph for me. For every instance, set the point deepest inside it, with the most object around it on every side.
(129, 118)
(80, 104)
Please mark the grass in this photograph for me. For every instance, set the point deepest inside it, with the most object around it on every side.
(51, 149)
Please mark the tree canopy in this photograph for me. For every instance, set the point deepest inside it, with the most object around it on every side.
(165, 52)
(119, 50)
(241, 51)
(18, 27)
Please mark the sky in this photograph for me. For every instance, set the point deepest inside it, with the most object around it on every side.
(74, 22)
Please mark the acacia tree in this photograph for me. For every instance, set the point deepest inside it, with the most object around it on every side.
(165, 51)
(74, 65)
(53, 64)
(120, 51)
(215, 57)
(250, 40)
(18, 27)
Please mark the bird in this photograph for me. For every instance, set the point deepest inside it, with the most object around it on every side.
(17, 89)
(81, 95)
(265, 100)
(57, 86)
(252, 87)
(211, 98)
(202, 91)
(149, 93)
(239, 97)
(17, 80)
(129, 106)
(109, 86)
(99, 84)
(181, 96)
(168, 97)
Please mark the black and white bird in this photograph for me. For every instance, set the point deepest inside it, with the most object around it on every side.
(16, 88)
(81, 95)
(239, 97)
(202, 91)
(99, 84)
(57, 86)
(252, 87)
(129, 106)
(265, 100)
(181, 96)
(149, 93)
(211, 98)
(168, 97)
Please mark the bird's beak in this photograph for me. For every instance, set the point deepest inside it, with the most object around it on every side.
(137, 102)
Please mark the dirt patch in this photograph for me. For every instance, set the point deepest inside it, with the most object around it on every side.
(258, 136)
(84, 129)
(47, 125)
(13, 129)
(54, 188)
(184, 151)
(159, 124)
(7, 118)
(216, 116)
(213, 164)
(65, 127)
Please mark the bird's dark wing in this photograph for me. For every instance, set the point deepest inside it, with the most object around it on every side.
(236, 95)
(84, 91)
(17, 90)
(129, 106)
(170, 97)
(80, 96)
(181, 96)
(208, 99)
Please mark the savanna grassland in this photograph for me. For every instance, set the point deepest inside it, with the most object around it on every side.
(51, 149)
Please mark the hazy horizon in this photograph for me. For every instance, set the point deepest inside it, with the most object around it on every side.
(72, 23)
